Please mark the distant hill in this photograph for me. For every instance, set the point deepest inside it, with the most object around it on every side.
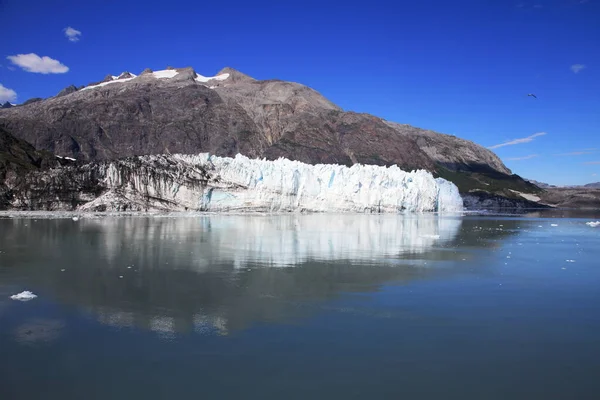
(595, 185)
(540, 184)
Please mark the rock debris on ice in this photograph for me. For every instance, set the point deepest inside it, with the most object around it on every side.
(24, 296)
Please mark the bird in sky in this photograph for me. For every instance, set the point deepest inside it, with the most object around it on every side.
(532, 95)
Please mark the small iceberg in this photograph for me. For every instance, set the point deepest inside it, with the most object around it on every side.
(593, 224)
(24, 296)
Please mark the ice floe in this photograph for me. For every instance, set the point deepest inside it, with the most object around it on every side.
(24, 296)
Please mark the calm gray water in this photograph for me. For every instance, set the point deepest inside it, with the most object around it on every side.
(300, 307)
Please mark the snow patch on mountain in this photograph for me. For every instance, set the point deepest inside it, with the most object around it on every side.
(527, 196)
(167, 73)
(107, 83)
(204, 79)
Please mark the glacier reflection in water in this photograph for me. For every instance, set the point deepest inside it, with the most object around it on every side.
(213, 273)
(281, 240)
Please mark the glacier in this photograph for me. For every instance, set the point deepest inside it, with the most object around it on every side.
(205, 182)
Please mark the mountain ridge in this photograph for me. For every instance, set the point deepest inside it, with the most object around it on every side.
(179, 111)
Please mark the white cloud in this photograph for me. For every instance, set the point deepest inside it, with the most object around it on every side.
(7, 94)
(72, 34)
(518, 141)
(576, 68)
(523, 158)
(43, 65)
(577, 153)
(594, 174)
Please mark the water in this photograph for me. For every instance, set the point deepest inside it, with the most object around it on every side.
(297, 307)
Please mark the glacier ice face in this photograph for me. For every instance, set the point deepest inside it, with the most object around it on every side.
(221, 184)
(241, 183)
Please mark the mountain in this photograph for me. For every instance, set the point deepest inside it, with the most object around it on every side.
(595, 185)
(179, 111)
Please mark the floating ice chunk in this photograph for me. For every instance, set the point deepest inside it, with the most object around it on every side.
(593, 224)
(570, 261)
(75, 219)
(24, 296)
(553, 224)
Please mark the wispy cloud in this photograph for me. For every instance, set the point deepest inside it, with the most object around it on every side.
(594, 174)
(577, 68)
(522, 158)
(592, 163)
(577, 153)
(518, 141)
(72, 34)
(42, 65)
(7, 94)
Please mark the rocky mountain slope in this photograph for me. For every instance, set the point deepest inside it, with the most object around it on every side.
(179, 111)
(18, 158)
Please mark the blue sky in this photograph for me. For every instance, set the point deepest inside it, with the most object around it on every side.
(461, 67)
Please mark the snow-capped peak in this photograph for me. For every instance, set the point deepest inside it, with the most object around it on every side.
(162, 74)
